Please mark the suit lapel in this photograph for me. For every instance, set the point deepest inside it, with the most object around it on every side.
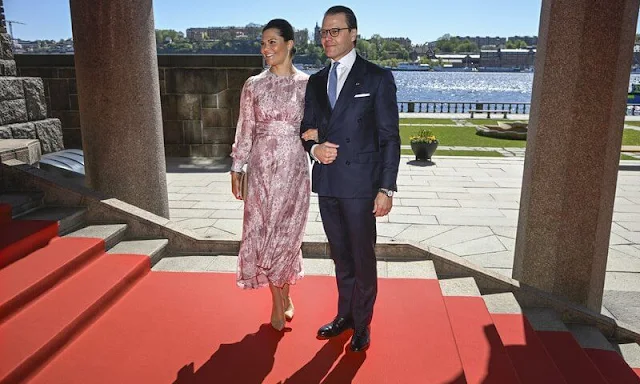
(321, 92)
(349, 88)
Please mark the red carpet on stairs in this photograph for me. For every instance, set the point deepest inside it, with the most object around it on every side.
(69, 313)
(30, 276)
(570, 358)
(37, 331)
(483, 356)
(527, 354)
(612, 366)
(18, 238)
(5, 213)
(199, 328)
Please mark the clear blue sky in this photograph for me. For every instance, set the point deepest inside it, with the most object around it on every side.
(420, 20)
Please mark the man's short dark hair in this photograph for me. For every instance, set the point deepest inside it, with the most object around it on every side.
(352, 23)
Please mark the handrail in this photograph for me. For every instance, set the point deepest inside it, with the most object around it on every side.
(462, 107)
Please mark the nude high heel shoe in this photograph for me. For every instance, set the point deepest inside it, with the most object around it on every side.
(277, 316)
(290, 311)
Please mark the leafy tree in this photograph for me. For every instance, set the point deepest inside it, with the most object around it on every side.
(516, 44)
(163, 34)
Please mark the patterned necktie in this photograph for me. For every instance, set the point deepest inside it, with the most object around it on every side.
(333, 84)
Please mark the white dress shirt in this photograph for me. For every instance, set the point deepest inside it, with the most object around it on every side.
(346, 63)
(343, 70)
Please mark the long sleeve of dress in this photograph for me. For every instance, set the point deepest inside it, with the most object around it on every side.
(245, 129)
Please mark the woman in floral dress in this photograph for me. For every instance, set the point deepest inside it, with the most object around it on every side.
(277, 203)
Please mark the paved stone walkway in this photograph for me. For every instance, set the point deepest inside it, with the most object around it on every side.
(467, 206)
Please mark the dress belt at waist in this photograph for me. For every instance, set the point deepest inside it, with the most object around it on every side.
(278, 128)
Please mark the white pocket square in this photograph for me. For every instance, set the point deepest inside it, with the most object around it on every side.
(362, 95)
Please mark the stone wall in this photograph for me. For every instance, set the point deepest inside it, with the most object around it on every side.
(7, 64)
(200, 97)
(23, 112)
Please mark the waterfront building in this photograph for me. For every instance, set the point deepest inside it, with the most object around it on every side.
(301, 36)
(507, 58)
(454, 61)
(483, 40)
(316, 35)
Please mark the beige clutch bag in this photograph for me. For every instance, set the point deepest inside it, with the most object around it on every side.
(243, 184)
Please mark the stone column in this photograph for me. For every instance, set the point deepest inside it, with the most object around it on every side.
(575, 131)
(119, 100)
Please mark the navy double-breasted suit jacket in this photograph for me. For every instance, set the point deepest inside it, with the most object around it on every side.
(364, 123)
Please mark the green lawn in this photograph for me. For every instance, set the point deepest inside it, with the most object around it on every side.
(622, 157)
(460, 153)
(630, 137)
(466, 137)
(427, 121)
(460, 136)
(634, 123)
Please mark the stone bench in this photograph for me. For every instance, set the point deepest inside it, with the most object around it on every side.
(489, 112)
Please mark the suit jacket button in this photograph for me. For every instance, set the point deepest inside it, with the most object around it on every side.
(359, 120)
(348, 162)
(348, 140)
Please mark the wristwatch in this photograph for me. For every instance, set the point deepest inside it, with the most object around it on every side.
(387, 192)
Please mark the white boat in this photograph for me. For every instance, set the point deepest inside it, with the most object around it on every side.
(412, 67)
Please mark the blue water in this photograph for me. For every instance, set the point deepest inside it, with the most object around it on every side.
(467, 86)
(464, 86)
(489, 87)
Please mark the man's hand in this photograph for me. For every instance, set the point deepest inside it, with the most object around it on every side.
(310, 134)
(326, 152)
(235, 185)
(382, 205)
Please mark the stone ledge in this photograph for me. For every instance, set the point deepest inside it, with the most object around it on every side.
(24, 150)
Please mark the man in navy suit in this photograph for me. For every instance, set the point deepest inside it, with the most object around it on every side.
(353, 106)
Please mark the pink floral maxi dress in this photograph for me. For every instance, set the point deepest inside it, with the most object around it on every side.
(277, 202)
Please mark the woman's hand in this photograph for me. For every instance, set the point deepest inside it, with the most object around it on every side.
(235, 185)
(310, 134)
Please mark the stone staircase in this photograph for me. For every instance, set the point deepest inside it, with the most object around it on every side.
(58, 284)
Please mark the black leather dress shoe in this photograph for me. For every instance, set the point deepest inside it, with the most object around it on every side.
(334, 328)
(360, 340)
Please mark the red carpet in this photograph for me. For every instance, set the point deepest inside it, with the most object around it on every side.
(5, 213)
(21, 237)
(483, 356)
(528, 355)
(69, 313)
(29, 277)
(570, 358)
(200, 328)
(612, 366)
(31, 335)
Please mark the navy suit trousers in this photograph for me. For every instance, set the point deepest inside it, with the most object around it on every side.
(350, 226)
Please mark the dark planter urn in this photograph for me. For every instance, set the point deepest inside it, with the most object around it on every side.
(424, 151)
